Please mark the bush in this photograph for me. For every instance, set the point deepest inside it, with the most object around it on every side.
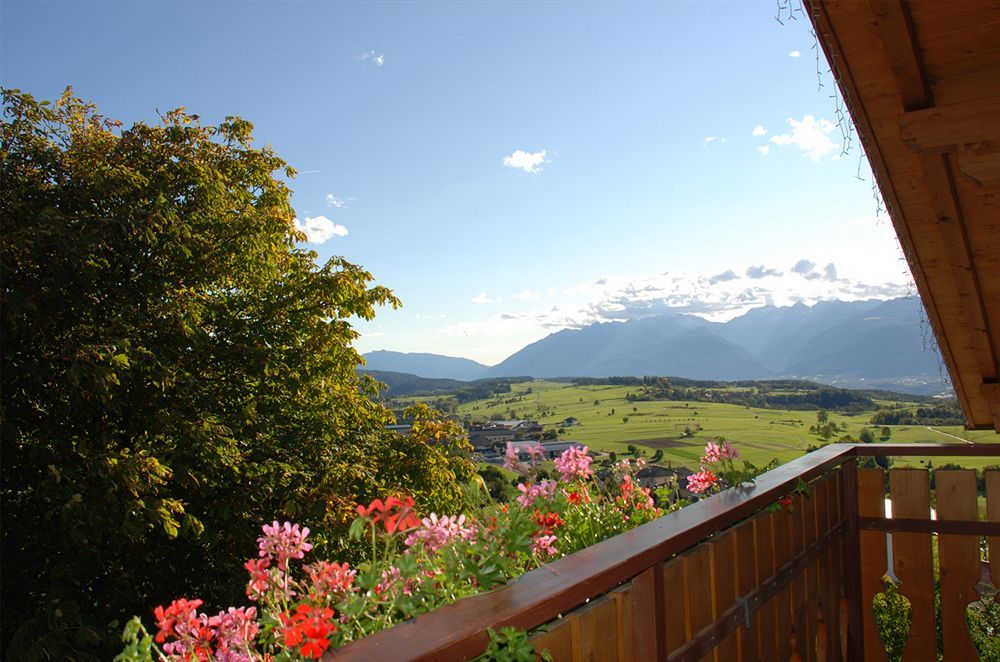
(175, 371)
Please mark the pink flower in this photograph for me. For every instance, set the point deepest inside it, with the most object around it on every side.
(437, 532)
(574, 463)
(543, 545)
(236, 628)
(529, 494)
(702, 481)
(512, 458)
(536, 454)
(330, 578)
(282, 542)
(717, 452)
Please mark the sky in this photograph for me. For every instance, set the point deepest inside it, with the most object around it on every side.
(511, 169)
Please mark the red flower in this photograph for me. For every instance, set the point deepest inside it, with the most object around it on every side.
(575, 498)
(309, 628)
(395, 514)
(180, 610)
(547, 522)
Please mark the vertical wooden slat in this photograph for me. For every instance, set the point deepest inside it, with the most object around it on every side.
(797, 588)
(599, 631)
(767, 614)
(746, 580)
(626, 618)
(993, 515)
(871, 503)
(697, 591)
(673, 604)
(958, 560)
(825, 626)
(558, 640)
(851, 606)
(811, 603)
(912, 558)
(783, 600)
(647, 615)
(723, 589)
(838, 599)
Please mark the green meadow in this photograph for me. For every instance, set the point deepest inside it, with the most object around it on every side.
(759, 434)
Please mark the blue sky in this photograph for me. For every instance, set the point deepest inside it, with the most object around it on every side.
(510, 169)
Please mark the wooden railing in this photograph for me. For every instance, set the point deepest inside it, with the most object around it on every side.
(727, 578)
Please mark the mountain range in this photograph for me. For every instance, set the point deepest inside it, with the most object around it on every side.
(870, 344)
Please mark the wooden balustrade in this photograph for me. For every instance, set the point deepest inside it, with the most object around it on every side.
(728, 578)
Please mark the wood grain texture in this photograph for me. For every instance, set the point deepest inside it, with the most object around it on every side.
(913, 561)
(874, 564)
(958, 560)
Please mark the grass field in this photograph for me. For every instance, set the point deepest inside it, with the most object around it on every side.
(759, 434)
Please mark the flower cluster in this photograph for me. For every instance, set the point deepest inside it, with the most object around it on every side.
(574, 464)
(303, 610)
(530, 493)
(436, 532)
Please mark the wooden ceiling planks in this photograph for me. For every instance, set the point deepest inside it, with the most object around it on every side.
(922, 81)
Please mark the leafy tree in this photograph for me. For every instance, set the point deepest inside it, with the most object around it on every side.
(176, 371)
(886, 433)
(657, 455)
(867, 436)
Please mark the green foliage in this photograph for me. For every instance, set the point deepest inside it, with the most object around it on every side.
(984, 626)
(867, 436)
(511, 645)
(893, 616)
(176, 370)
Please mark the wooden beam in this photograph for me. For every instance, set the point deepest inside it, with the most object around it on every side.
(945, 128)
(980, 162)
(948, 211)
(896, 29)
(991, 393)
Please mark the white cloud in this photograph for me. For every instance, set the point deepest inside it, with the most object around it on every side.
(810, 135)
(526, 295)
(378, 59)
(794, 54)
(764, 149)
(319, 229)
(526, 161)
(708, 140)
(759, 130)
(334, 201)
(482, 298)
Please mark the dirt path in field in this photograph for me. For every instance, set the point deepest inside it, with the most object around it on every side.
(951, 435)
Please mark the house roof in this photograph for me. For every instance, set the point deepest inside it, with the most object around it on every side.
(921, 80)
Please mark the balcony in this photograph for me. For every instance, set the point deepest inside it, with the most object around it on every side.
(729, 578)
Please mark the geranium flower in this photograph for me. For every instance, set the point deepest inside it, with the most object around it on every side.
(308, 628)
(530, 493)
(437, 532)
(283, 542)
(395, 514)
(544, 546)
(330, 578)
(574, 464)
(236, 628)
(701, 481)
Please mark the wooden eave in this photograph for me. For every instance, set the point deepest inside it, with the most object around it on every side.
(922, 82)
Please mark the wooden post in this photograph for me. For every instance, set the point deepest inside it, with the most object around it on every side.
(852, 563)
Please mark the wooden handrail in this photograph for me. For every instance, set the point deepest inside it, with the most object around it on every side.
(458, 630)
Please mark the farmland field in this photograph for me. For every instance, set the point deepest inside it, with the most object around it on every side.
(759, 434)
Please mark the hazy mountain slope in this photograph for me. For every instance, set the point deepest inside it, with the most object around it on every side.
(774, 334)
(886, 341)
(425, 365)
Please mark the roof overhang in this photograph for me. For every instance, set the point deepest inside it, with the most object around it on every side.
(922, 82)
